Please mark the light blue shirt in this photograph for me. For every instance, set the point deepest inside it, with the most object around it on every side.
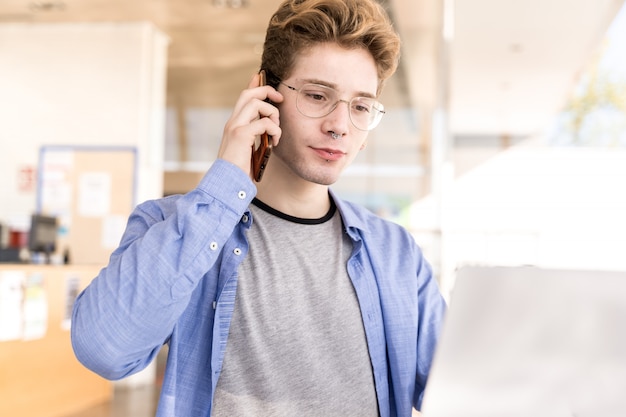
(174, 277)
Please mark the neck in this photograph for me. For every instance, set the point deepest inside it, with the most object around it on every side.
(297, 198)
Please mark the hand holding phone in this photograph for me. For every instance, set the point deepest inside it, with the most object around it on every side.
(262, 149)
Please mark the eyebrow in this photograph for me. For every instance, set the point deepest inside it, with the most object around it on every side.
(335, 87)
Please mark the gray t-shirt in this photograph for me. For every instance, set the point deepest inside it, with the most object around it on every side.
(297, 344)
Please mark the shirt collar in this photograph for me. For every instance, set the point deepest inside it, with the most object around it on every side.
(353, 216)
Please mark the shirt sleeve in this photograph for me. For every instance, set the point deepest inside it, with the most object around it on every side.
(121, 320)
(432, 308)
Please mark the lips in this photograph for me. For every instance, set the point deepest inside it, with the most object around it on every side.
(329, 154)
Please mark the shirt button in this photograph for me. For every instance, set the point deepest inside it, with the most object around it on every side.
(237, 251)
(213, 246)
(241, 195)
(244, 218)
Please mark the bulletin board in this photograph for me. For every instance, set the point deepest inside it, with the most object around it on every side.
(92, 191)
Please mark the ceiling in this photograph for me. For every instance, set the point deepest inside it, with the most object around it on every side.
(512, 62)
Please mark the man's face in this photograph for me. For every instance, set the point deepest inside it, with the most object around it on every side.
(307, 150)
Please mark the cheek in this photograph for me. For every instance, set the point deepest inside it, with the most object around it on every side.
(356, 148)
(295, 126)
(288, 119)
(361, 141)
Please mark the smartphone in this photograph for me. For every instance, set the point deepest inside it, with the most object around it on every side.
(262, 148)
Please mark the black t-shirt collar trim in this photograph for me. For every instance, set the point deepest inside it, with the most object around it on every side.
(274, 212)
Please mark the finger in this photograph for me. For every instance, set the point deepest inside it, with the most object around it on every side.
(242, 134)
(255, 92)
(270, 111)
(271, 128)
(238, 140)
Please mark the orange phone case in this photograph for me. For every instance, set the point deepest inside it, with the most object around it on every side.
(261, 153)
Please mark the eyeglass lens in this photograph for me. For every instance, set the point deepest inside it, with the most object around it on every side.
(316, 100)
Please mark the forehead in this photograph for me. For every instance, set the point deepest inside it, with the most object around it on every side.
(347, 70)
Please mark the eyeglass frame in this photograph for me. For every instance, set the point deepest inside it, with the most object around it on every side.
(334, 106)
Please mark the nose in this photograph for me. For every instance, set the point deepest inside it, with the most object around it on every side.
(339, 117)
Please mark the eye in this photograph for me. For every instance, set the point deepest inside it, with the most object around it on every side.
(313, 94)
(362, 105)
(317, 94)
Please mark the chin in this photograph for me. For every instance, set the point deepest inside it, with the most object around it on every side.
(313, 172)
(326, 182)
(319, 176)
(323, 179)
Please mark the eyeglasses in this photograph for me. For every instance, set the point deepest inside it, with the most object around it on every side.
(315, 101)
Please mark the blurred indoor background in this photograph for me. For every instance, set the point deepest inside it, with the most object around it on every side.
(504, 141)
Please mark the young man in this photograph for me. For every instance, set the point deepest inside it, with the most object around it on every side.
(277, 298)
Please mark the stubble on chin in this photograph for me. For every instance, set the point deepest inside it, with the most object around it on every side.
(315, 171)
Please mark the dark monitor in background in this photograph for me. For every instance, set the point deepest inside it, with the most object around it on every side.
(43, 234)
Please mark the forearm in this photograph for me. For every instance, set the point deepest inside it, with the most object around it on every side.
(129, 310)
